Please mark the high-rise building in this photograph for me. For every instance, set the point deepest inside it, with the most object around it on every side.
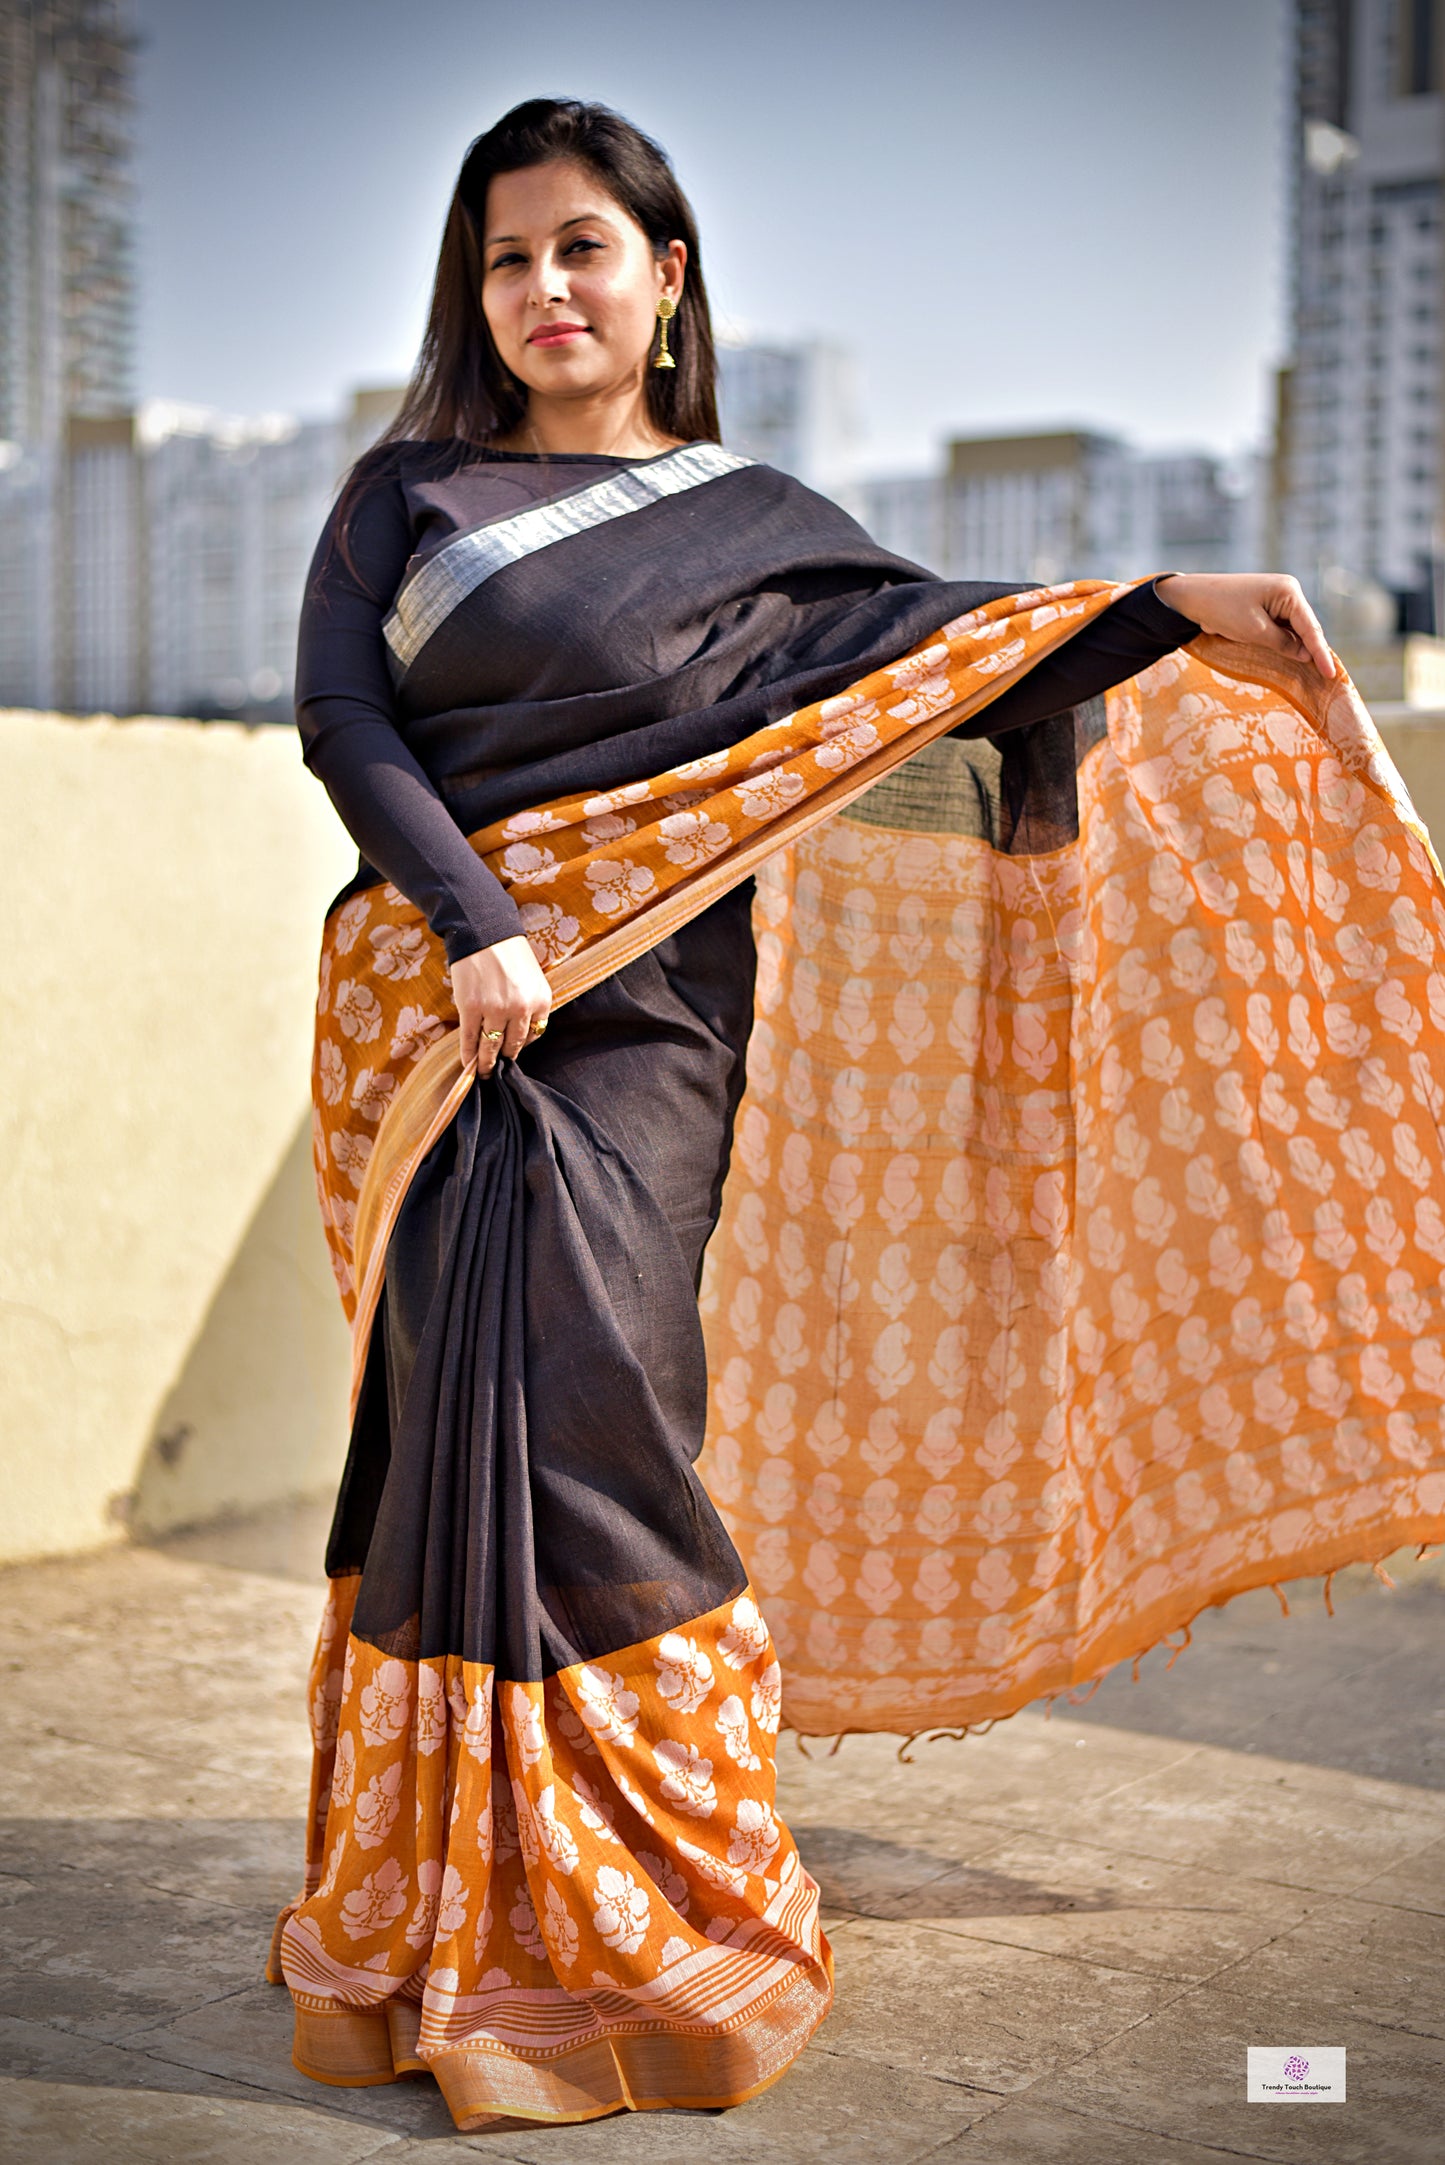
(67, 291)
(184, 535)
(1060, 504)
(1359, 463)
(793, 406)
(66, 214)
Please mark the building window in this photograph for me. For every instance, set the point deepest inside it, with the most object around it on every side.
(1416, 44)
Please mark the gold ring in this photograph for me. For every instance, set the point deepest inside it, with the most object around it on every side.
(538, 1028)
(494, 1033)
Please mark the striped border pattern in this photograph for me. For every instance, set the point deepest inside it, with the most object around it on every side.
(428, 597)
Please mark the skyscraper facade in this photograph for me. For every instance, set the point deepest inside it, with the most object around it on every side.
(792, 404)
(1360, 465)
(1061, 504)
(67, 286)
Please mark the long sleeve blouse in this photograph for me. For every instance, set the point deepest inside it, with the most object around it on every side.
(403, 750)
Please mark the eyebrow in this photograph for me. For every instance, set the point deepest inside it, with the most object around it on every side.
(494, 240)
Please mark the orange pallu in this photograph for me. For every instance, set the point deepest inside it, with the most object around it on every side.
(1080, 1266)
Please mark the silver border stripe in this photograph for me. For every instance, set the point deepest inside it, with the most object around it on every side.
(458, 569)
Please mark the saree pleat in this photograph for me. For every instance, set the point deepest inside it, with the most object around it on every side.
(1080, 1263)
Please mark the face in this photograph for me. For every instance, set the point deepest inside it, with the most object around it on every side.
(570, 283)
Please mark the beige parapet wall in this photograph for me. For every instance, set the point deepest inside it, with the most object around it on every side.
(172, 1349)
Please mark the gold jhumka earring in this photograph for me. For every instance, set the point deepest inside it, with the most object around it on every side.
(666, 310)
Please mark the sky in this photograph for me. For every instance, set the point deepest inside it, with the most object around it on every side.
(1070, 213)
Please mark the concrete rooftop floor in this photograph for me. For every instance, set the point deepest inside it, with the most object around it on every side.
(1053, 1942)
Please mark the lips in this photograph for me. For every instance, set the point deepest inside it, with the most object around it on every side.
(557, 334)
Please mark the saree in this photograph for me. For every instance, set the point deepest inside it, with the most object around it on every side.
(1080, 1264)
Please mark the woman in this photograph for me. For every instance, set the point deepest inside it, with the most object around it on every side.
(570, 672)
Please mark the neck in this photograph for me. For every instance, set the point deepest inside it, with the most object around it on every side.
(617, 425)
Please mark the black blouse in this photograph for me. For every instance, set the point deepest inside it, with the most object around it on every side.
(513, 626)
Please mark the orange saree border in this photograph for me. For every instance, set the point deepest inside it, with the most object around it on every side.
(560, 1898)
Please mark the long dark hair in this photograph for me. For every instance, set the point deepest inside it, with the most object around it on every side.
(462, 396)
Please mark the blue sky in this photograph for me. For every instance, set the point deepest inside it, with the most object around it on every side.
(1070, 212)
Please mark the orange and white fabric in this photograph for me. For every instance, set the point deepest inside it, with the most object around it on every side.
(1081, 1264)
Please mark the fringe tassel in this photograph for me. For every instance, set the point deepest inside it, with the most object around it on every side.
(1088, 1695)
(981, 1728)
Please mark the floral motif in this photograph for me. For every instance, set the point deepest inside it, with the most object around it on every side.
(376, 1903)
(386, 1703)
(691, 838)
(845, 743)
(452, 1906)
(684, 1672)
(415, 1030)
(553, 933)
(431, 1710)
(638, 1801)
(618, 885)
(766, 795)
(746, 1637)
(525, 864)
(371, 1094)
(608, 1707)
(400, 950)
(375, 1810)
(533, 822)
(350, 1154)
(556, 1840)
(343, 1773)
(703, 769)
(595, 1812)
(755, 1837)
(726, 1877)
(477, 1724)
(528, 1734)
(622, 1913)
(331, 1063)
(350, 923)
(732, 1724)
(560, 1929)
(687, 1783)
(668, 1881)
(357, 1011)
(612, 799)
(525, 1929)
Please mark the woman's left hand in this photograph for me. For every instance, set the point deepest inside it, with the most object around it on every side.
(1263, 608)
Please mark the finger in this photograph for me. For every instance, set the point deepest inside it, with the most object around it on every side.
(1273, 631)
(1310, 633)
(489, 1044)
(514, 1036)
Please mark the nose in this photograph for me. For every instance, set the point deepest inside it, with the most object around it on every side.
(548, 282)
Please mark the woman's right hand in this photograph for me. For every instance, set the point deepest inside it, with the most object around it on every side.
(499, 988)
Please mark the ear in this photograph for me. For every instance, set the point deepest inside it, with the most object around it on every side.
(670, 269)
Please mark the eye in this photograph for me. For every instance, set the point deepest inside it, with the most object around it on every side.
(500, 262)
(582, 242)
